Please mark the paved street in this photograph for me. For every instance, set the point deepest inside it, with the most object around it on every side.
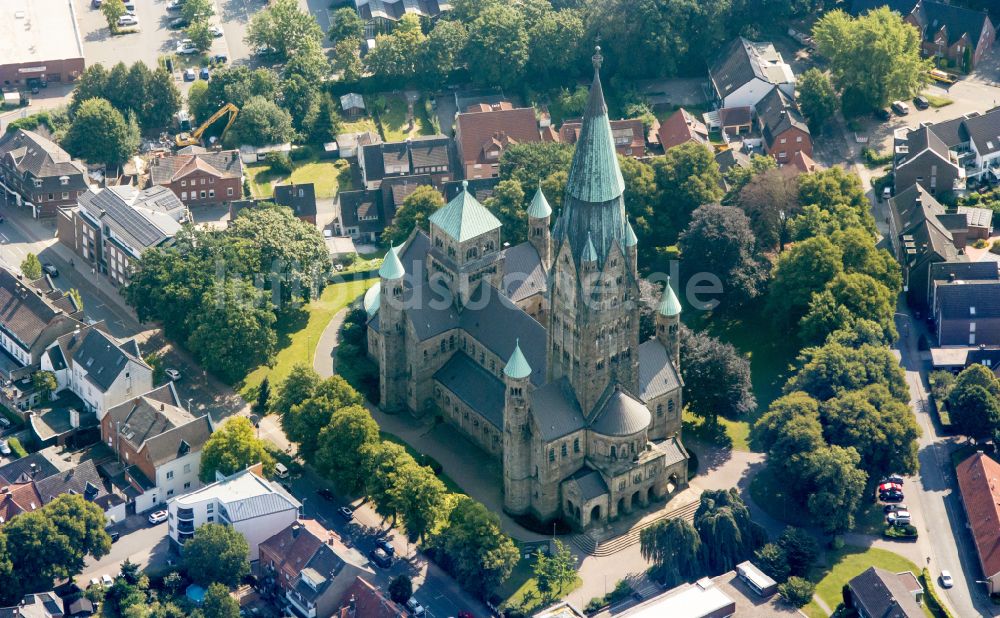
(143, 544)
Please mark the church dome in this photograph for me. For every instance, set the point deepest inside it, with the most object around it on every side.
(621, 415)
(372, 299)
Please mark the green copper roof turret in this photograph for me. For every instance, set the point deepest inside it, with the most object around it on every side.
(669, 305)
(517, 367)
(630, 238)
(464, 218)
(589, 252)
(539, 208)
(594, 175)
(391, 268)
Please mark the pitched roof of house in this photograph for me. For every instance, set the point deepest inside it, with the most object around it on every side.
(42, 158)
(953, 132)
(25, 312)
(221, 164)
(657, 374)
(301, 198)
(363, 600)
(979, 482)
(682, 127)
(524, 273)
(977, 217)
(917, 216)
(622, 129)
(102, 357)
(735, 116)
(479, 130)
(957, 20)
(140, 219)
(729, 157)
(41, 605)
(778, 113)
(882, 593)
(900, 6)
(744, 60)
(984, 131)
(802, 162)
(464, 218)
(418, 152)
(920, 140)
(156, 424)
(83, 480)
(356, 208)
(969, 300)
(306, 548)
(33, 467)
(942, 271)
(556, 410)
(17, 498)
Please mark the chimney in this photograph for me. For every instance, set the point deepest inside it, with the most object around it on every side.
(951, 277)
(352, 606)
(161, 406)
(5, 489)
(295, 530)
(74, 418)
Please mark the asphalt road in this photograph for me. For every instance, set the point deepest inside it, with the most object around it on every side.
(146, 545)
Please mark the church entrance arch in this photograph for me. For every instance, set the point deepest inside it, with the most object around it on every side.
(621, 507)
(636, 499)
(650, 495)
(595, 513)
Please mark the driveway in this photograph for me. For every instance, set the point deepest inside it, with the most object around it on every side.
(146, 545)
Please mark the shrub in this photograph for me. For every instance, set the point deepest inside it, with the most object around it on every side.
(801, 549)
(995, 248)
(301, 153)
(941, 383)
(773, 561)
(594, 605)
(622, 591)
(279, 162)
(906, 531)
(16, 448)
(873, 159)
(979, 244)
(797, 591)
(931, 596)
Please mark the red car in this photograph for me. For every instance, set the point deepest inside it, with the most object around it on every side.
(884, 487)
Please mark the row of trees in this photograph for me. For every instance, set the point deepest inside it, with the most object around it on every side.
(460, 533)
(972, 399)
(219, 292)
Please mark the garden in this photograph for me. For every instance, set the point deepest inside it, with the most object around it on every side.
(328, 177)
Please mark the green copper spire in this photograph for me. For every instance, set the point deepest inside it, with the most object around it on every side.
(391, 268)
(589, 252)
(630, 238)
(669, 305)
(464, 218)
(539, 208)
(594, 175)
(517, 367)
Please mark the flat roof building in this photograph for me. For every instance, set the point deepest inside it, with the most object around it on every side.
(39, 40)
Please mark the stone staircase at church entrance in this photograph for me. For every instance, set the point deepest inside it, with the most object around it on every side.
(599, 548)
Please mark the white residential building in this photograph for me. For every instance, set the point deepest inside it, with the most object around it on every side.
(747, 71)
(255, 507)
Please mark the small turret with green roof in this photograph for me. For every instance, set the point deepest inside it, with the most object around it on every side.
(391, 268)
(669, 305)
(539, 207)
(517, 367)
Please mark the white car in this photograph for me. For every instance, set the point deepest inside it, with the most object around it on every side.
(107, 581)
(173, 374)
(416, 609)
(4, 448)
(94, 582)
(946, 580)
(186, 48)
(157, 517)
(128, 20)
(216, 31)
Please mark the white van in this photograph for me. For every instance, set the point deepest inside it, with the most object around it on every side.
(280, 471)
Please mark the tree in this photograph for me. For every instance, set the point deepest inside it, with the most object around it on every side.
(555, 571)
(301, 384)
(833, 369)
(261, 122)
(283, 28)
(231, 448)
(397, 54)
(113, 10)
(690, 176)
(836, 486)
(769, 198)
(789, 431)
(416, 209)
(498, 45)
(301, 99)
(848, 297)
(834, 187)
(346, 448)
(728, 535)
(309, 61)
(801, 549)
(738, 176)
(117, 88)
(444, 48)
(164, 100)
(198, 100)
(875, 55)
(532, 163)
(772, 560)
(45, 383)
(974, 410)
(200, 33)
(674, 548)
(263, 396)
(817, 98)
(237, 84)
(216, 554)
(860, 255)
(419, 498)
(196, 11)
(31, 267)
(401, 589)
(799, 273)
(507, 203)
(301, 420)
(387, 459)
(100, 134)
(555, 41)
(347, 59)
(718, 240)
(91, 84)
(797, 591)
(716, 377)
(345, 23)
(326, 123)
(219, 603)
(477, 551)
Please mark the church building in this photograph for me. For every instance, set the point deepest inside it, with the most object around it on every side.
(533, 350)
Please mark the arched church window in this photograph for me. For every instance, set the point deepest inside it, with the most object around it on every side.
(670, 406)
(442, 345)
(552, 455)
(659, 409)
(614, 452)
(576, 445)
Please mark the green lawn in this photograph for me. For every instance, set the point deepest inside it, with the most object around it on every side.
(360, 126)
(393, 120)
(298, 335)
(328, 177)
(734, 434)
(521, 589)
(937, 100)
(845, 564)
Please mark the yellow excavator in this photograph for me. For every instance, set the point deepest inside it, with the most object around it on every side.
(190, 139)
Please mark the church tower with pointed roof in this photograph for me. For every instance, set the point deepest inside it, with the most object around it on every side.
(593, 332)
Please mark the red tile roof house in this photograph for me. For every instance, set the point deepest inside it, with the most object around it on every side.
(979, 483)
(482, 136)
(680, 128)
(629, 135)
(783, 127)
(200, 178)
(363, 600)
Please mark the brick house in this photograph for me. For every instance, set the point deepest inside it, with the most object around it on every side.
(429, 155)
(484, 132)
(921, 157)
(629, 135)
(782, 126)
(682, 127)
(199, 177)
(979, 483)
(39, 174)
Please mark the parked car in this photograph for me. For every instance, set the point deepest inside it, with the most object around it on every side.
(216, 31)
(898, 518)
(186, 47)
(346, 513)
(106, 581)
(414, 607)
(171, 373)
(4, 448)
(946, 580)
(175, 5)
(220, 59)
(115, 535)
(157, 517)
(895, 479)
(900, 108)
(380, 558)
(128, 20)
(93, 582)
(203, 74)
(891, 508)
(96, 4)
(4, 422)
(50, 270)
(882, 113)
(386, 546)
(129, 5)
(190, 75)
(325, 493)
(886, 192)
(891, 496)
(887, 486)
(178, 23)
(921, 102)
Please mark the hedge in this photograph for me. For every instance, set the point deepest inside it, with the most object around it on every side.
(16, 448)
(931, 597)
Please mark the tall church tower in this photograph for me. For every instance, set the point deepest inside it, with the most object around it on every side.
(517, 473)
(392, 352)
(668, 321)
(593, 334)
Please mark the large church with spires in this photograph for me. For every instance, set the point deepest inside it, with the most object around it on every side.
(533, 350)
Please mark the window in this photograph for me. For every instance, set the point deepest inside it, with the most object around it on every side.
(184, 183)
(783, 140)
(170, 474)
(670, 407)
(211, 193)
(798, 139)
(170, 492)
(187, 468)
(211, 180)
(211, 507)
(202, 181)
(576, 445)
(229, 191)
(972, 338)
(65, 195)
(659, 409)
(552, 455)
(202, 195)
(211, 518)
(187, 485)
(972, 327)
(564, 450)
(184, 195)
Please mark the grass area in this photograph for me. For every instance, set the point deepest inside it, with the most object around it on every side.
(850, 561)
(938, 100)
(734, 434)
(417, 455)
(521, 588)
(299, 334)
(395, 128)
(328, 177)
(360, 126)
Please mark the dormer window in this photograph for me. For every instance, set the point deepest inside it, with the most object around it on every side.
(64, 180)
(38, 183)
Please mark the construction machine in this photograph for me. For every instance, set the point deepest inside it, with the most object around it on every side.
(190, 139)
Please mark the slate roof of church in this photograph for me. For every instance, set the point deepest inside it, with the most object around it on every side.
(477, 388)
(657, 374)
